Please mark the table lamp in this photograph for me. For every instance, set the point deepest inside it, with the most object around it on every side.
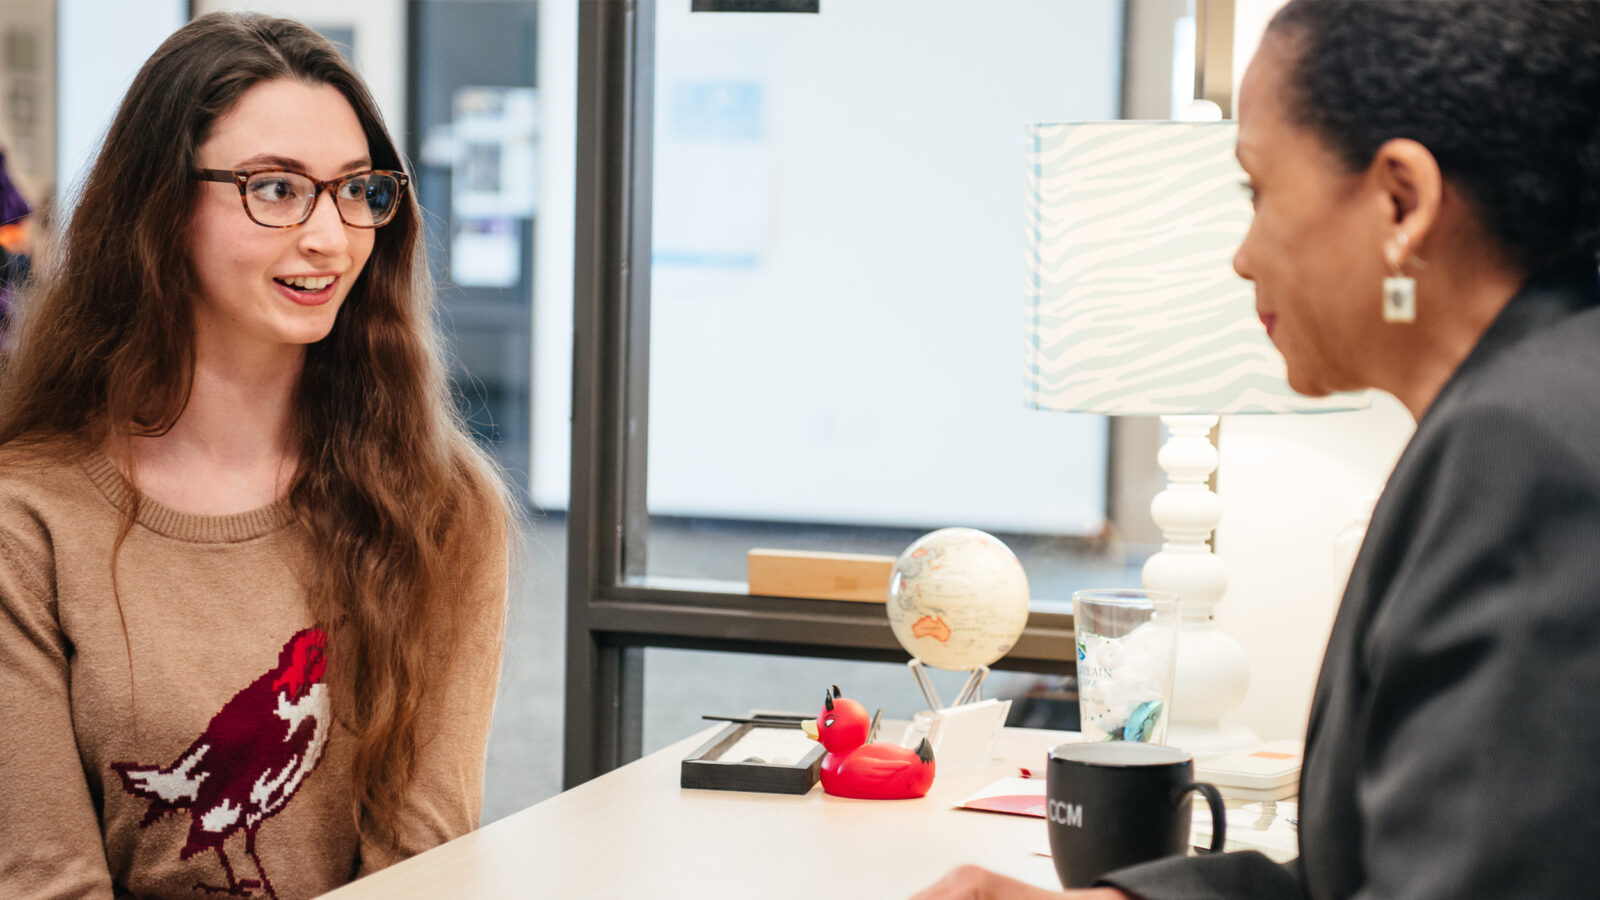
(1133, 309)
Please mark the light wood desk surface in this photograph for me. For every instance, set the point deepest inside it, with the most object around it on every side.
(634, 833)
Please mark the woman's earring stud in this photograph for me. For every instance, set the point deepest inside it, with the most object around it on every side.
(1400, 293)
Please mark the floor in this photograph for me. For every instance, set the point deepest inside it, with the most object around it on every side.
(526, 740)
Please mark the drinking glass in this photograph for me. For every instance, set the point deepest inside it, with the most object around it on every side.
(1127, 650)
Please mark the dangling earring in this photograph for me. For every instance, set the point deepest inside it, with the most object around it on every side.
(1400, 293)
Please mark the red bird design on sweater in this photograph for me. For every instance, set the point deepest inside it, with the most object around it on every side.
(252, 757)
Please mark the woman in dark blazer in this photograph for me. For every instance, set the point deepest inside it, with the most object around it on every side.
(1426, 180)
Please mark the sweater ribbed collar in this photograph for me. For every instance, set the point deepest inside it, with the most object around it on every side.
(165, 520)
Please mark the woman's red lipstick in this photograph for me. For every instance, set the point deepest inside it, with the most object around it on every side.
(1268, 320)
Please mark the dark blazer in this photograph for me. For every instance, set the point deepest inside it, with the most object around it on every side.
(1454, 743)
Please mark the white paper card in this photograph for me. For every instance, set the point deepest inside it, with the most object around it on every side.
(963, 735)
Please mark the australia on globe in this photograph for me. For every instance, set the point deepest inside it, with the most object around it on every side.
(958, 599)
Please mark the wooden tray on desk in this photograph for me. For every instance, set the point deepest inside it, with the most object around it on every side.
(707, 770)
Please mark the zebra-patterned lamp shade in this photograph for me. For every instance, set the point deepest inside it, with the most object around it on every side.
(1133, 307)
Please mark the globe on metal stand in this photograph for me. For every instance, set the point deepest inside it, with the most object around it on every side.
(958, 600)
(970, 692)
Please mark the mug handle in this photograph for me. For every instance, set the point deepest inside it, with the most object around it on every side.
(1219, 814)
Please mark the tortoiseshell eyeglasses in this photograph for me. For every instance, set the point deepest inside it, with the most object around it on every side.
(284, 198)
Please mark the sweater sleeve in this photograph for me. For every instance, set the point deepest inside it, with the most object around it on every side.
(445, 797)
(50, 842)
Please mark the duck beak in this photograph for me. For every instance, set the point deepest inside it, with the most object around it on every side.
(809, 726)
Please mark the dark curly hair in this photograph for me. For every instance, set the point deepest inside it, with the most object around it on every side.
(1504, 93)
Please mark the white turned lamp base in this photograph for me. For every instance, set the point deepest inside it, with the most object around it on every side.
(1213, 673)
(1212, 677)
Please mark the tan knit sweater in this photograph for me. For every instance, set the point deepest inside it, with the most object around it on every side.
(212, 763)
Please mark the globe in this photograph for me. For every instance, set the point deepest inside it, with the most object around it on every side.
(958, 599)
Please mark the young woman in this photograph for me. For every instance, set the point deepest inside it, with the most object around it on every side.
(252, 572)
(1452, 746)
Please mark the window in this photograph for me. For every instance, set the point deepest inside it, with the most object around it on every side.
(798, 248)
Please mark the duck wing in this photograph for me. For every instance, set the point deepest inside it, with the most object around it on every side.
(877, 762)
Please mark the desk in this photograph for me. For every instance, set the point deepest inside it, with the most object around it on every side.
(634, 833)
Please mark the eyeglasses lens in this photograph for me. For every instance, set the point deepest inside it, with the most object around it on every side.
(365, 200)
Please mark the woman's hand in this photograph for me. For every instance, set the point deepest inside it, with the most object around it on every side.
(974, 883)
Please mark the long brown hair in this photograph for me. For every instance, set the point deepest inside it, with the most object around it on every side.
(388, 485)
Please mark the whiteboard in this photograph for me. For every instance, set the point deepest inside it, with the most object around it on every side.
(837, 276)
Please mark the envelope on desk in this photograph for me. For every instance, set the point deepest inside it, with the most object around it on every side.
(1015, 795)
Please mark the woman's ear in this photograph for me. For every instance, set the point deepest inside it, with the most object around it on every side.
(1408, 176)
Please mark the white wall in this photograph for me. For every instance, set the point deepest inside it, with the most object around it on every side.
(100, 47)
(379, 54)
(1287, 485)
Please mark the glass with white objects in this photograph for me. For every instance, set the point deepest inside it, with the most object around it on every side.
(1127, 651)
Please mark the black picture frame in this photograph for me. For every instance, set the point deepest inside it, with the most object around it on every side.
(705, 769)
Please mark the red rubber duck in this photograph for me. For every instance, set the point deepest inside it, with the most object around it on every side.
(855, 768)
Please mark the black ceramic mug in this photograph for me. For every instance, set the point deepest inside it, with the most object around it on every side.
(1116, 803)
